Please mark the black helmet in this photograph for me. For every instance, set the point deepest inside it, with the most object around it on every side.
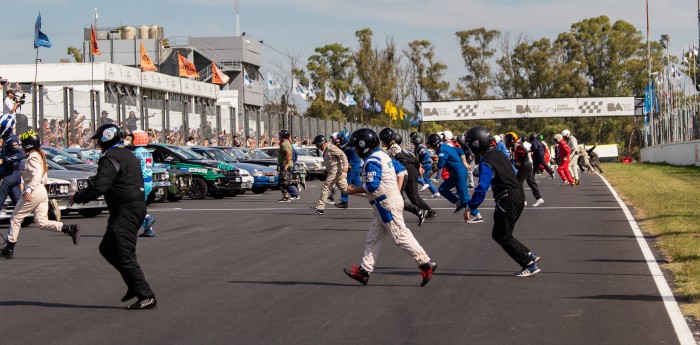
(386, 135)
(413, 135)
(417, 140)
(319, 140)
(284, 134)
(434, 140)
(30, 140)
(108, 135)
(478, 139)
(398, 138)
(364, 140)
(531, 138)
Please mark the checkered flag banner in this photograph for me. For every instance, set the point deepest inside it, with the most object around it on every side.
(591, 107)
(466, 110)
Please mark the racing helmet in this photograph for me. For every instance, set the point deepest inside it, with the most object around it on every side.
(319, 140)
(364, 140)
(284, 134)
(448, 135)
(413, 135)
(558, 137)
(108, 135)
(344, 136)
(386, 135)
(335, 138)
(434, 141)
(496, 138)
(140, 138)
(417, 140)
(398, 138)
(511, 137)
(565, 133)
(478, 139)
(7, 125)
(29, 140)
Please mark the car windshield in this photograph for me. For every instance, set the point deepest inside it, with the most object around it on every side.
(217, 155)
(61, 157)
(302, 152)
(237, 153)
(185, 154)
(259, 154)
(93, 155)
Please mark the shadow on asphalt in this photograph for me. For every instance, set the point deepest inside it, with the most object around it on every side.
(55, 305)
(298, 282)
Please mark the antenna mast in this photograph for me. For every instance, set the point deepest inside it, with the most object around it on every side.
(238, 21)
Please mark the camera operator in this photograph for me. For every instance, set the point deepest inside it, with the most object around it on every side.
(11, 103)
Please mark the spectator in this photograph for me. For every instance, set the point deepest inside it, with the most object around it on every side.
(235, 142)
(132, 122)
(104, 119)
(190, 141)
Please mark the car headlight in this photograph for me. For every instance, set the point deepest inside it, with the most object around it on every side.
(258, 173)
(74, 185)
(64, 189)
(216, 171)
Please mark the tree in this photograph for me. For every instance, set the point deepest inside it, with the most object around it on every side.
(76, 53)
(332, 64)
(376, 69)
(426, 72)
(476, 51)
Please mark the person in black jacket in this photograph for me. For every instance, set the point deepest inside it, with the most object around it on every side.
(496, 172)
(10, 157)
(120, 180)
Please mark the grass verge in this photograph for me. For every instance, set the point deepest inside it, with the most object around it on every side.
(665, 200)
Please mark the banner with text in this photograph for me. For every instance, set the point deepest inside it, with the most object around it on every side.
(528, 108)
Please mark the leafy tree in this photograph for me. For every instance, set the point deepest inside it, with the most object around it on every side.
(332, 64)
(76, 53)
(376, 69)
(477, 50)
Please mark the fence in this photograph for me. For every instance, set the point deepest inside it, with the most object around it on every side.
(69, 118)
(680, 125)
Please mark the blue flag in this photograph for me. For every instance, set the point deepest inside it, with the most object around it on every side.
(365, 104)
(40, 39)
(377, 107)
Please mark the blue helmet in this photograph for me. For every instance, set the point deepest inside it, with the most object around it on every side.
(344, 136)
(7, 125)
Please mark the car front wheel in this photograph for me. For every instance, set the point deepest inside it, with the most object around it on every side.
(198, 190)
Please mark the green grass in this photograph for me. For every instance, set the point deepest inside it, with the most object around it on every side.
(665, 200)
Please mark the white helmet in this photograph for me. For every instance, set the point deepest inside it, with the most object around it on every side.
(442, 135)
(497, 138)
(565, 133)
(448, 135)
(557, 137)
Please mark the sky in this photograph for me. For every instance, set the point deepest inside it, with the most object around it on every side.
(297, 27)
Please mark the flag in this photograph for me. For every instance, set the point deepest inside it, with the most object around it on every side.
(342, 99)
(350, 99)
(402, 114)
(377, 107)
(299, 89)
(146, 63)
(40, 39)
(246, 79)
(218, 77)
(416, 120)
(329, 94)
(271, 83)
(365, 104)
(93, 42)
(312, 92)
(648, 99)
(187, 68)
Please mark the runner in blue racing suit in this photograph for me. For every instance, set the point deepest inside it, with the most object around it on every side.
(139, 140)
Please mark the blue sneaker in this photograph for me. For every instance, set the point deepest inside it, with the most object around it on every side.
(148, 222)
(534, 257)
(531, 269)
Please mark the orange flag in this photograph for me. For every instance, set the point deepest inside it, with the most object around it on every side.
(146, 63)
(218, 77)
(187, 68)
(93, 42)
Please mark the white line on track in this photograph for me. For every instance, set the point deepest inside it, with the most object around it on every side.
(361, 208)
(685, 336)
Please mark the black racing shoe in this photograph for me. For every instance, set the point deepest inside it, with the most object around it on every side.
(342, 205)
(431, 214)
(357, 273)
(129, 295)
(426, 271)
(421, 217)
(8, 251)
(144, 303)
(73, 230)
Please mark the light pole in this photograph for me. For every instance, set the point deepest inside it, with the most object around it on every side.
(665, 41)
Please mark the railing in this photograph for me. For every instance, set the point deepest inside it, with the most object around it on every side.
(680, 125)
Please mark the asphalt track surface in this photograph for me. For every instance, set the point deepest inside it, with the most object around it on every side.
(248, 270)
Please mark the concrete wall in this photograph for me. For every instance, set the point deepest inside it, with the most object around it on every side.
(686, 153)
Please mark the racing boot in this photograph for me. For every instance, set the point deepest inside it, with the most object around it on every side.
(422, 214)
(431, 214)
(342, 205)
(129, 295)
(73, 230)
(357, 273)
(8, 251)
(426, 271)
(144, 303)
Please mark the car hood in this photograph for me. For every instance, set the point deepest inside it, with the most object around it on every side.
(69, 174)
(82, 167)
(213, 164)
(250, 167)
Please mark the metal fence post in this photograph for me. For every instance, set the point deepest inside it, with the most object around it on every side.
(41, 111)
(185, 125)
(258, 132)
(144, 119)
